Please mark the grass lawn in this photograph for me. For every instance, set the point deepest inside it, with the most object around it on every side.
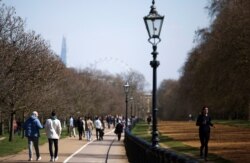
(18, 143)
(237, 123)
(143, 131)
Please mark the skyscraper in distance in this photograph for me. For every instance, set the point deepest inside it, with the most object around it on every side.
(64, 51)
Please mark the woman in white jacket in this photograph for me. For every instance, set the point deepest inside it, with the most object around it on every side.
(53, 131)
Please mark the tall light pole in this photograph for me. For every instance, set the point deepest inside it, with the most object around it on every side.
(131, 109)
(153, 22)
(126, 90)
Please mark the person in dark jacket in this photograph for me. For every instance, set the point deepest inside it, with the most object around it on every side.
(119, 129)
(31, 127)
(80, 126)
(204, 123)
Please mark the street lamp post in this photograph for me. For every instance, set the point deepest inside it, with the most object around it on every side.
(153, 22)
(126, 90)
(131, 109)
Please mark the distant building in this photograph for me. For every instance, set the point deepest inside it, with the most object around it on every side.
(148, 100)
(64, 51)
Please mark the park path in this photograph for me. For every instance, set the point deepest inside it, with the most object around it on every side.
(109, 150)
(73, 150)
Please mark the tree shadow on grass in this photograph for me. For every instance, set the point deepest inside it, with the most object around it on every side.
(188, 151)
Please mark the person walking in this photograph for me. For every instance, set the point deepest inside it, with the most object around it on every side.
(119, 129)
(72, 127)
(108, 120)
(31, 127)
(98, 127)
(204, 123)
(149, 119)
(102, 128)
(53, 131)
(89, 127)
(80, 127)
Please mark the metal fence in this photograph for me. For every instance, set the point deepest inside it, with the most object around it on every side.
(141, 151)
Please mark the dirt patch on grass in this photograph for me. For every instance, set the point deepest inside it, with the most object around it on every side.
(231, 143)
(2, 138)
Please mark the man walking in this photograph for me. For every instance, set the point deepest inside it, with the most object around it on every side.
(80, 127)
(53, 131)
(72, 126)
(89, 127)
(119, 129)
(98, 127)
(31, 127)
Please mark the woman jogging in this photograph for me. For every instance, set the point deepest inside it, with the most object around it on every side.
(204, 123)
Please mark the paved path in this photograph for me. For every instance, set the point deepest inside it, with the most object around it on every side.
(109, 150)
(73, 150)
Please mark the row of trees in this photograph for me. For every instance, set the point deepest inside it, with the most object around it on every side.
(32, 77)
(217, 70)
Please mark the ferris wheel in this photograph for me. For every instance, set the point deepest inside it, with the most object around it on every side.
(111, 64)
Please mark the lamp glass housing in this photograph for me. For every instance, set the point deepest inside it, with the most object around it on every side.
(153, 23)
(126, 88)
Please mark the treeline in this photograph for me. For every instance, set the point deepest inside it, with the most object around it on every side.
(217, 71)
(33, 77)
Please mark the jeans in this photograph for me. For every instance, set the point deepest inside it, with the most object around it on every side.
(119, 136)
(98, 130)
(72, 131)
(33, 141)
(51, 142)
(81, 133)
(88, 134)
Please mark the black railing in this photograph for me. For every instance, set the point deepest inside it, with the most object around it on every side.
(141, 151)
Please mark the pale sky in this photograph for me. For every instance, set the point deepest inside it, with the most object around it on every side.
(111, 34)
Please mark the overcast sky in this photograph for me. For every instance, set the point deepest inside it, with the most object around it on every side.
(111, 34)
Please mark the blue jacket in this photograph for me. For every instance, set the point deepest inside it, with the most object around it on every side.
(32, 126)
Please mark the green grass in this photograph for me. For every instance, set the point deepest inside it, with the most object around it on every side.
(18, 143)
(236, 123)
(181, 148)
(142, 130)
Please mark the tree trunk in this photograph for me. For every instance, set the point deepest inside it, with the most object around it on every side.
(12, 116)
(22, 125)
(1, 123)
(249, 110)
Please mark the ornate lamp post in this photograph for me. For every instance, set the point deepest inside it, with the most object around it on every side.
(153, 22)
(126, 90)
